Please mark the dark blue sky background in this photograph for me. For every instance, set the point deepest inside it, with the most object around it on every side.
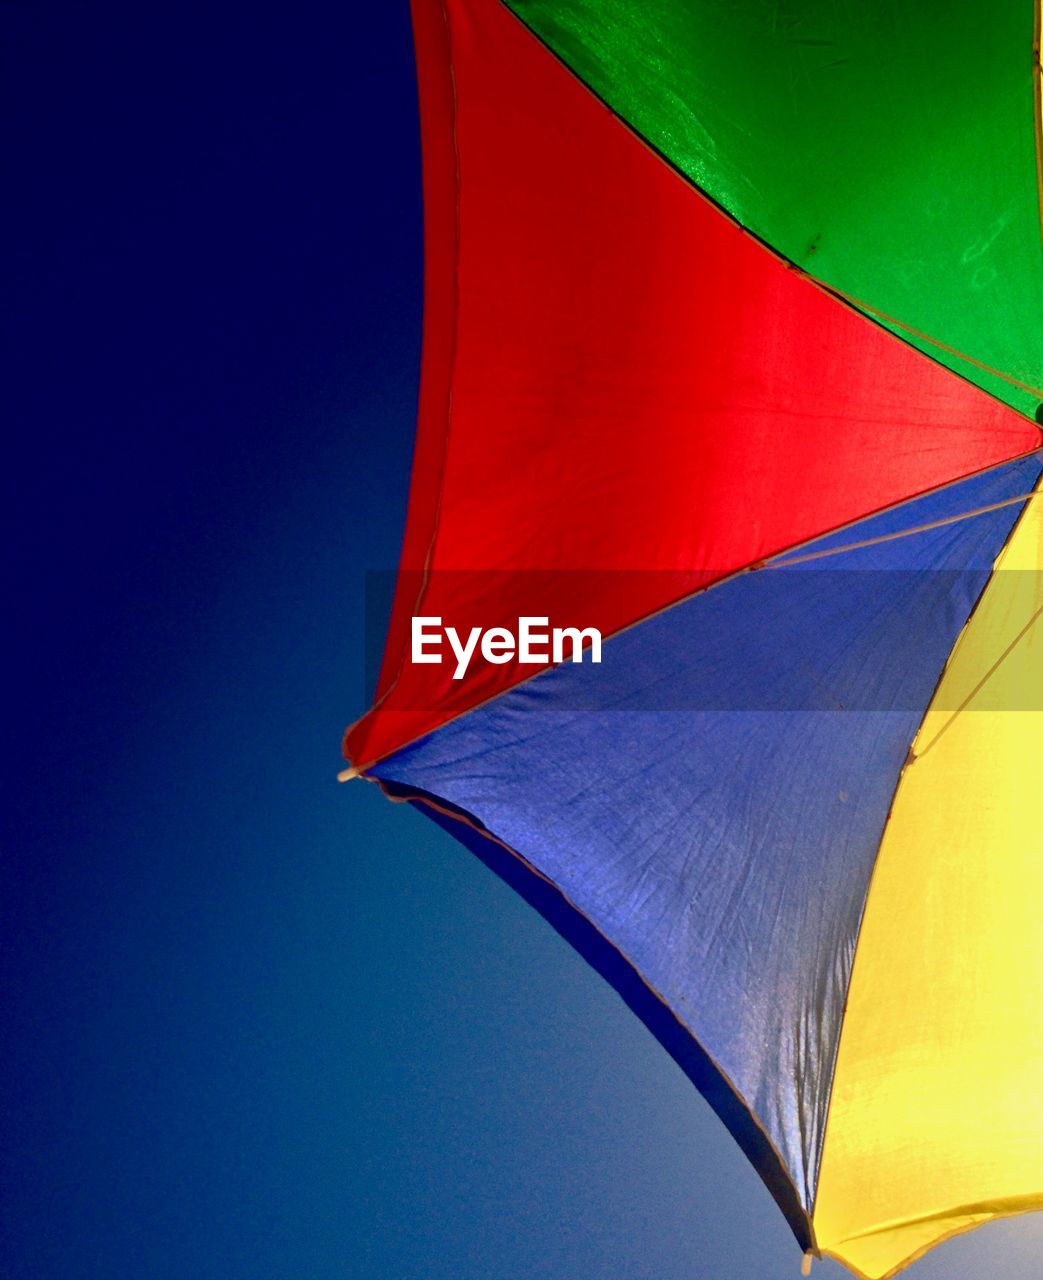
(255, 1024)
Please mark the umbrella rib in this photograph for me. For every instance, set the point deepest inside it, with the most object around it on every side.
(984, 680)
(781, 563)
(871, 313)
(926, 337)
(774, 561)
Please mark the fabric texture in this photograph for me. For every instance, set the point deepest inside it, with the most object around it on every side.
(731, 348)
(712, 796)
(639, 399)
(937, 1115)
(888, 150)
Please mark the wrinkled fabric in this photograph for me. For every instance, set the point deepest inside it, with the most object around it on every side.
(725, 847)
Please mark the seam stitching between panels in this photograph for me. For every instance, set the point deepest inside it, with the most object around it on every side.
(454, 314)
(752, 567)
(870, 314)
(1035, 1205)
(883, 831)
(468, 820)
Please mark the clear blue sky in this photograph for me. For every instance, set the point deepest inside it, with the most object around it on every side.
(256, 1025)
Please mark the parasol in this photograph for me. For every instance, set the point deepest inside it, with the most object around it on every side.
(733, 352)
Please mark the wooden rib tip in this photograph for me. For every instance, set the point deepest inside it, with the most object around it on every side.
(805, 1264)
(346, 775)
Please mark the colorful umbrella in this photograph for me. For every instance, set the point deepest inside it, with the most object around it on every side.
(733, 351)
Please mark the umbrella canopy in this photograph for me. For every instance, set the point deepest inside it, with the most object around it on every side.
(732, 351)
